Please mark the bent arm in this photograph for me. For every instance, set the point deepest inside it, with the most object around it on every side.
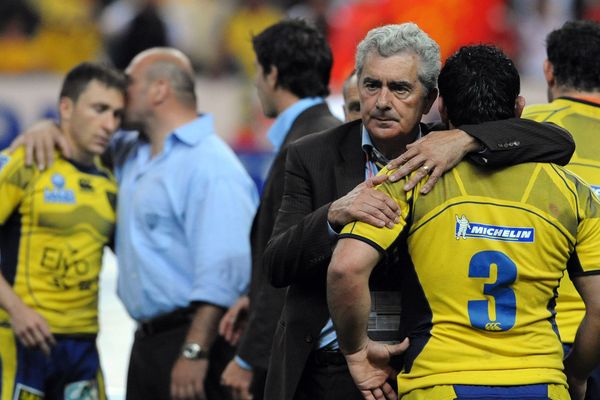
(514, 141)
(585, 354)
(348, 291)
(301, 241)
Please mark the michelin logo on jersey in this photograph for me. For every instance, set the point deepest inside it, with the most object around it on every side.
(466, 229)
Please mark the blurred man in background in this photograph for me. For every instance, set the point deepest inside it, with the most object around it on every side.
(351, 99)
(293, 63)
(573, 78)
(54, 225)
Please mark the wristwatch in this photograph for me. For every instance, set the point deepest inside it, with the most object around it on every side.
(193, 351)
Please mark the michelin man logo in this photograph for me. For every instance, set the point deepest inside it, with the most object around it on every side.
(463, 226)
(466, 229)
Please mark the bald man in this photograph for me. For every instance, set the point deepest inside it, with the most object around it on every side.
(351, 100)
(184, 213)
(185, 209)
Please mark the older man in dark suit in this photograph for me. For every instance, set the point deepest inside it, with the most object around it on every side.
(325, 188)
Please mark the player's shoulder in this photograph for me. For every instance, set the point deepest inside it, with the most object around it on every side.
(15, 159)
(541, 112)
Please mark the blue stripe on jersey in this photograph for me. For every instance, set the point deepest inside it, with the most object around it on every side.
(529, 392)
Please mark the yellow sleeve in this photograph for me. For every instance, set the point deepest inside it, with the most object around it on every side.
(586, 259)
(382, 238)
(14, 179)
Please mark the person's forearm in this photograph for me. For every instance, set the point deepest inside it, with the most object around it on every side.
(204, 326)
(8, 298)
(348, 294)
(585, 354)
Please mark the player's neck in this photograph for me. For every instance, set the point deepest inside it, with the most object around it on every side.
(576, 94)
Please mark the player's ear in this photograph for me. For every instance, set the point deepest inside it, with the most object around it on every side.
(519, 106)
(65, 108)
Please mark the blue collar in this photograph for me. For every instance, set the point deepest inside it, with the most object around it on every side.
(192, 132)
(367, 143)
(281, 127)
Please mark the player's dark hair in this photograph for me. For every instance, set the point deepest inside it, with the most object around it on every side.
(574, 52)
(301, 55)
(479, 83)
(79, 77)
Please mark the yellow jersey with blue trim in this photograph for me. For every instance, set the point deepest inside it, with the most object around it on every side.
(582, 119)
(487, 251)
(54, 225)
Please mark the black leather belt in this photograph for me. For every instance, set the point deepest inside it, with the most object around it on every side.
(166, 322)
(328, 357)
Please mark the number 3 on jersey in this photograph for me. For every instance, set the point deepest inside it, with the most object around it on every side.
(504, 297)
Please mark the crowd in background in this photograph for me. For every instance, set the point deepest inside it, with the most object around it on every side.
(46, 35)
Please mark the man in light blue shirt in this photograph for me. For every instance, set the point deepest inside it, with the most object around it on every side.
(184, 214)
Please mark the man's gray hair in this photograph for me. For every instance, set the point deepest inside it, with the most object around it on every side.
(390, 40)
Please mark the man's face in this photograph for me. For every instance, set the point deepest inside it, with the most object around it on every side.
(351, 100)
(93, 118)
(137, 109)
(392, 98)
(264, 89)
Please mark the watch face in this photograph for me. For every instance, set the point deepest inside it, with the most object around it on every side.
(192, 351)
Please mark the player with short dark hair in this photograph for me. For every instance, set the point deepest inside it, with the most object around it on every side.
(55, 224)
(573, 77)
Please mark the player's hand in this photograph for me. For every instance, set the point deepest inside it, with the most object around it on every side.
(432, 155)
(370, 369)
(40, 141)
(365, 204)
(32, 329)
(233, 323)
(237, 380)
(187, 379)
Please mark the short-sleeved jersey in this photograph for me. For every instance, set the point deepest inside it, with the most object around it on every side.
(582, 119)
(488, 249)
(54, 225)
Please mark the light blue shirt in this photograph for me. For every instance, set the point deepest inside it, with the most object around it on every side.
(281, 127)
(183, 222)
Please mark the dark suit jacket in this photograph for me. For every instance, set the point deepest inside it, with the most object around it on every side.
(322, 168)
(266, 301)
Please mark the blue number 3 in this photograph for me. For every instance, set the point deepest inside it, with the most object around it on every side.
(504, 296)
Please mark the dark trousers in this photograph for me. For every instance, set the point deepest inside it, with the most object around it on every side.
(259, 378)
(326, 377)
(152, 359)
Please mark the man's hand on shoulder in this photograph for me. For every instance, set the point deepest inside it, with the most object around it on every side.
(40, 141)
(365, 204)
(432, 156)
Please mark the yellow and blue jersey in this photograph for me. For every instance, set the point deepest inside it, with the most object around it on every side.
(582, 119)
(54, 225)
(488, 249)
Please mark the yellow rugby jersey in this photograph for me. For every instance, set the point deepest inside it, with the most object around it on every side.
(582, 119)
(54, 225)
(488, 249)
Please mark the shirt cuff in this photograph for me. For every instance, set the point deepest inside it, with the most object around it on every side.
(332, 233)
(239, 361)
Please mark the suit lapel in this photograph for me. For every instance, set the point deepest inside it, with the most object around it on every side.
(350, 169)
